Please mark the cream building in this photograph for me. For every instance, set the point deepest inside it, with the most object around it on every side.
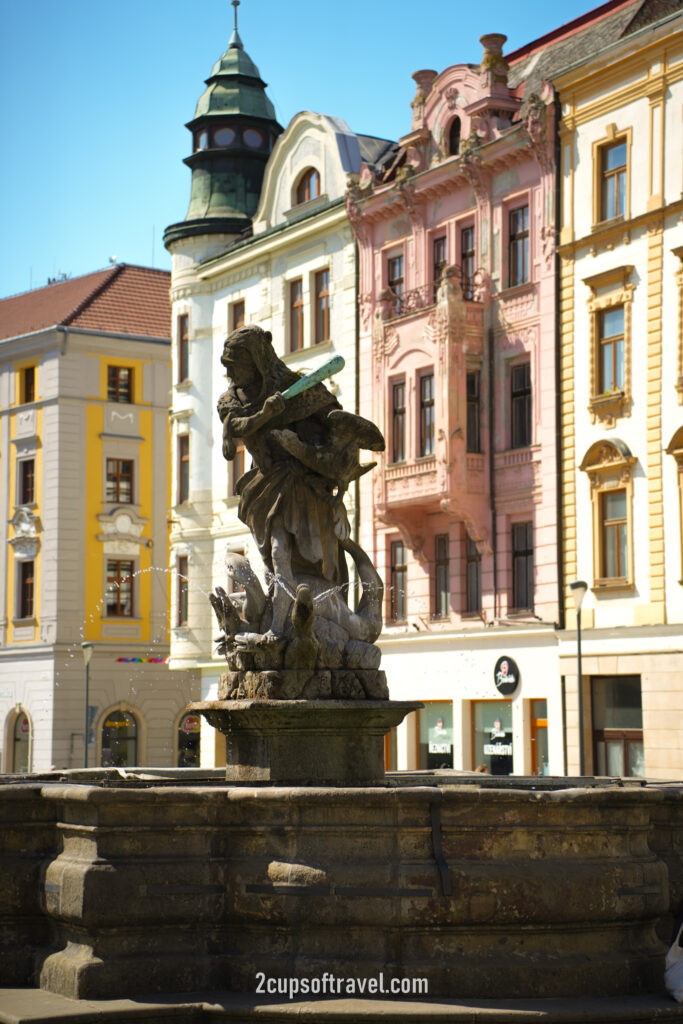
(293, 272)
(621, 352)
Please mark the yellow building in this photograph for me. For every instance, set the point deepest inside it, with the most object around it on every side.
(621, 392)
(84, 492)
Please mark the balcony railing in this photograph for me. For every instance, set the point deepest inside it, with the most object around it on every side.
(396, 304)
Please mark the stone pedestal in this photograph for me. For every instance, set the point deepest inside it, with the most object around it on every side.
(305, 742)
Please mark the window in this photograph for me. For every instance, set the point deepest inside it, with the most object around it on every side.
(183, 468)
(119, 384)
(492, 736)
(183, 591)
(398, 421)
(472, 577)
(399, 578)
(119, 740)
(434, 728)
(322, 306)
(473, 412)
(539, 738)
(120, 481)
(309, 186)
(518, 247)
(467, 256)
(119, 593)
(520, 406)
(617, 726)
(439, 261)
(454, 137)
(189, 732)
(296, 315)
(427, 414)
(395, 280)
(26, 591)
(21, 745)
(609, 466)
(236, 469)
(611, 341)
(442, 577)
(237, 315)
(522, 566)
(26, 482)
(614, 527)
(183, 348)
(613, 181)
(28, 384)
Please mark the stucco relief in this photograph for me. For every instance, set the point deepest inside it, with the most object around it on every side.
(535, 125)
(26, 423)
(24, 543)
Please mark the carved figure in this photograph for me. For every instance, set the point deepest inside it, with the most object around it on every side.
(305, 452)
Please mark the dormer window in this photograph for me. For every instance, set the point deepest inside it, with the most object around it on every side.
(223, 137)
(309, 186)
(454, 137)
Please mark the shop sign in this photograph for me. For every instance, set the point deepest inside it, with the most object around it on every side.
(506, 675)
(498, 749)
(191, 724)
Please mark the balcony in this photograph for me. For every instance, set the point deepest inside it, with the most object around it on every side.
(411, 482)
(394, 305)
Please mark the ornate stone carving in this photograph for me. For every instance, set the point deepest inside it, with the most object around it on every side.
(534, 121)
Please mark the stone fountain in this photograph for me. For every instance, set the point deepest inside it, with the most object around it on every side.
(304, 700)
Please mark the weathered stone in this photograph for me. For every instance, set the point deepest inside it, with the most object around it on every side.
(346, 686)
(358, 654)
(374, 683)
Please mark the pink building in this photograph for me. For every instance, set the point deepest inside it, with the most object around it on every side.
(456, 235)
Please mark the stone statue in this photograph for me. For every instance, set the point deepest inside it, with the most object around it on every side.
(300, 638)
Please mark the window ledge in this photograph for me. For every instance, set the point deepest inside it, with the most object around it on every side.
(510, 291)
(608, 406)
(32, 621)
(615, 583)
(183, 385)
(609, 222)
(122, 618)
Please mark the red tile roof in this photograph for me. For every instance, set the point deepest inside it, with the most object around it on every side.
(122, 299)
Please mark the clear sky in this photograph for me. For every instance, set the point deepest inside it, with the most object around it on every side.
(94, 98)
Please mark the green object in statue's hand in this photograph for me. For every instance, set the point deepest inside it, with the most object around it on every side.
(332, 366)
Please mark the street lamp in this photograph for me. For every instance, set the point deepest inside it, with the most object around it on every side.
(87, 648)
(578, 589)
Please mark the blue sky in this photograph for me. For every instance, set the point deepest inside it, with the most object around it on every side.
(94, 98)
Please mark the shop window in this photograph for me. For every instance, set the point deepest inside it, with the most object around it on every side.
(183, 591)
(609, 465)
(28, 385)
(21, 743)
(308, 187)
(434, 724)
(539, 737)
(467, 262)
(189, 734)
(119, 485)
(472, 577)
(439, 261)
(617, 726)
(398, 581)
(426, 414)
(119, 740)
(26, 589)
(442, 577)
(520, 406)
(296, 315)
(26, 482)
(236, 469)
(492, 736)
(237, 315)
(119, 384)
(396, 281)
(322, 306)
(522, 566)
(119, 592)
(473, 411)
(398, 421)
(518, 246)
(183, 347)
(454, 137)
(183, 468)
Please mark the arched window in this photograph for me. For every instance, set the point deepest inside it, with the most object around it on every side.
(119, 739)
(308, 187)
(21, 740)
(189, 732)
(454, 137)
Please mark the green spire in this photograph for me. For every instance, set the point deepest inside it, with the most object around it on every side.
(233, 132)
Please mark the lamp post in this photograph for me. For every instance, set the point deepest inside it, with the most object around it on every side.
(578, 589)
(87, 648)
